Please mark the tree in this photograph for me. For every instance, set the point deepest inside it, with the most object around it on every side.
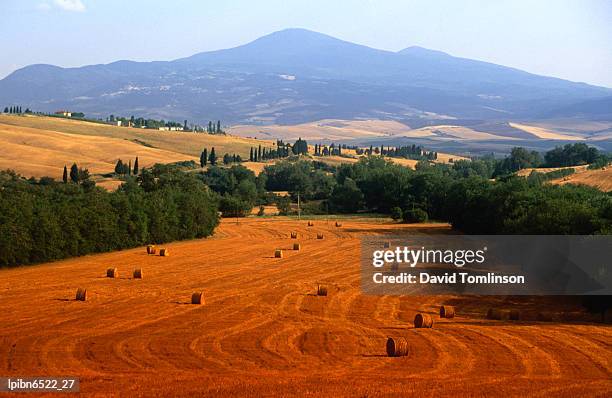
(129, 170)
(300, 147)
(259, 153)
(65, 176)
(283, 204)
(74, 173)
(218, 126)
(84, 175)
(210, 127)
(346, 198)
(119, 167)
(251, 155)
(213, 157)
(396, 213)
(136, 168)
(227, 159)
(415, 216)
(6, 109)
(203, 158)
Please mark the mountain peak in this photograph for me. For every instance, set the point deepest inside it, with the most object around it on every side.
(422, 52)
(302, 38)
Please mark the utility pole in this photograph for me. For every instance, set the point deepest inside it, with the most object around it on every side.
(299, 210)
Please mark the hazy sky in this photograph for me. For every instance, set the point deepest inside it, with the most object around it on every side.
(570, 39)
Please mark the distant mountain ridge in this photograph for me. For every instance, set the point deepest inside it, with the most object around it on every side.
(295, 76)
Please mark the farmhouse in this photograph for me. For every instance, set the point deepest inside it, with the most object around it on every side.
(64, 113)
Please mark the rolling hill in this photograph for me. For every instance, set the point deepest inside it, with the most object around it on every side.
(41, 146)
(297, 76)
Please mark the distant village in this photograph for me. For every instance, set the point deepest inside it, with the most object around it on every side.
(121, 121)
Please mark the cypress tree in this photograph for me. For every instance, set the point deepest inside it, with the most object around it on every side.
(6, 110)
(119, 167)
(65, 176)
(210, 128)
(203, 158)
(259, 152)
(74, 173)
(213, 156)
(218, 126)
(129, 170)
(251, 155)
(136, 166)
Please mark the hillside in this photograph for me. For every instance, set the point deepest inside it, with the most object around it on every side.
(296, 76)
(598, 178)
(41, 146)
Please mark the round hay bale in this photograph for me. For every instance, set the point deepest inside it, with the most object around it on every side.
(397, 347)
(338, 224)
(150, 249)
(495, 314)
(293, 235)
(321, 290)
(423, 321)
(112, 273)
(319, 236)
(387, 245)
(164, 252)
(514, 315)
(81, 294)
(278, 253)
(196, 298)
(447, 311)
(138, 273)
(310, 224)
(296, 246)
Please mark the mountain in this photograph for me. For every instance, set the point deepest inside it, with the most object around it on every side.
(595, 109)
(296, 76)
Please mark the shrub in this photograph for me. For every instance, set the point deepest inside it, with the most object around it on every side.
(415, 216)
(396, 213)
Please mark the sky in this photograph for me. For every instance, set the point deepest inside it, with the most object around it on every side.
(569, 39)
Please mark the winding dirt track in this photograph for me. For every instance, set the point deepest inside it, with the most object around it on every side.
(263, 331)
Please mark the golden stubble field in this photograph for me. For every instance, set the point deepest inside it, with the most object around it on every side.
(598, 178)
(41, 146)
(263, 331)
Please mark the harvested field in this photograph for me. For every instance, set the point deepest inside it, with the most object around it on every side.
(41, 146)
(263, 330)
(598, 178)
